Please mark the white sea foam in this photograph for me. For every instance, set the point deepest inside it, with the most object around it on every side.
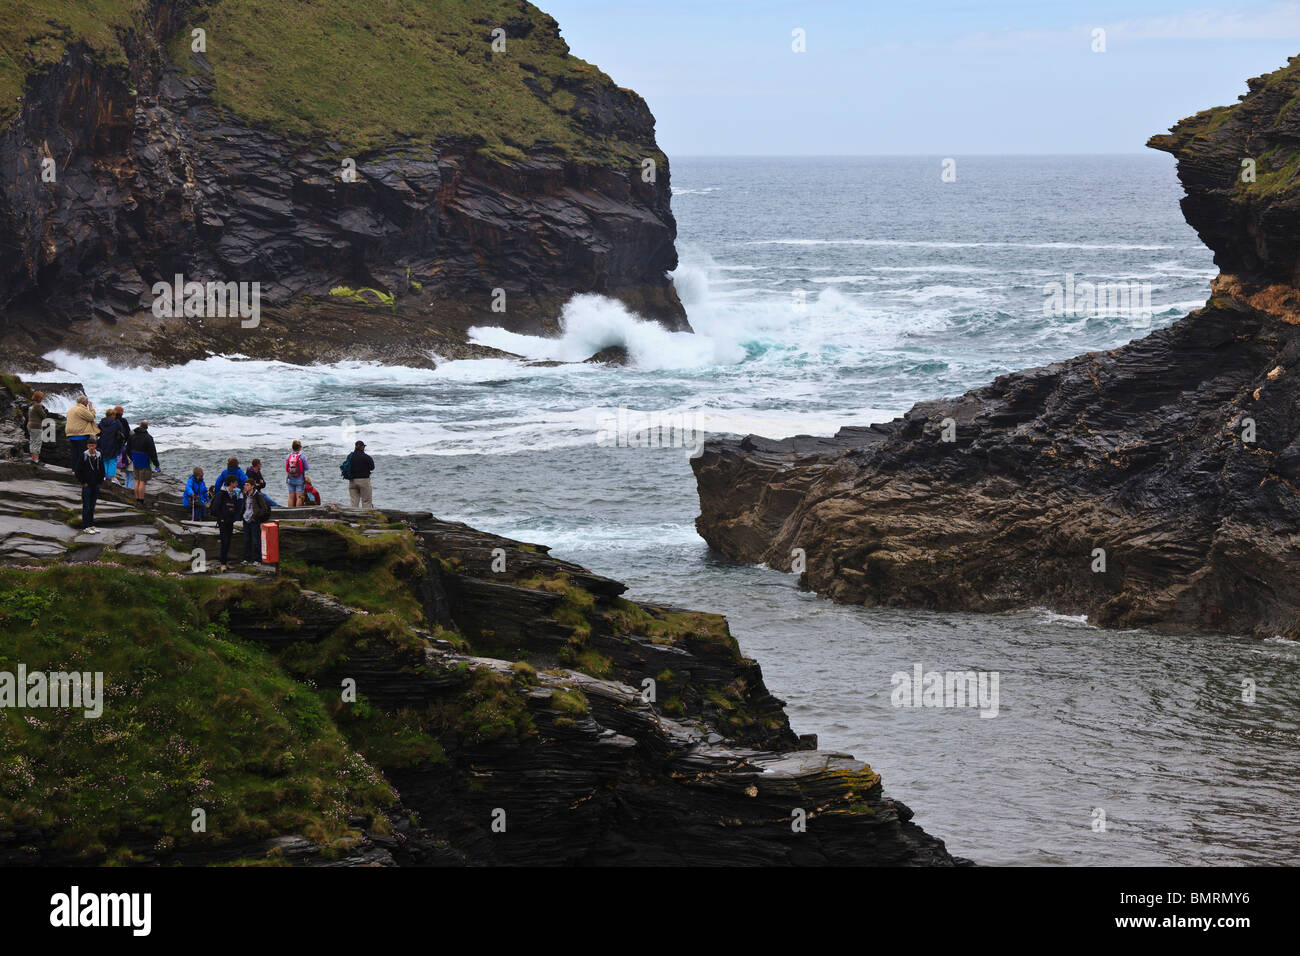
(945, 244)
(781, 349)
(590, 323)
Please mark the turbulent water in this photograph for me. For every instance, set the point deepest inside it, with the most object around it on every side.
(823, 293)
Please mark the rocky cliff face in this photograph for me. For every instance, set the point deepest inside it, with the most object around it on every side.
(167, 161)
(1238, 165)
(1154, 485)
(510, 707)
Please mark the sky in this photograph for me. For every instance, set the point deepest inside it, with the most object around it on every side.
(920, 77)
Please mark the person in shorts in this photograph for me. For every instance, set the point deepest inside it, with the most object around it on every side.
(144, 454)
(295, 474)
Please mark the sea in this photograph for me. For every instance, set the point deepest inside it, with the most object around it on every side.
(826, 292)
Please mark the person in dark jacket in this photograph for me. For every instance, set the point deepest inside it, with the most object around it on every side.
(225, 512)
(113, 437)
(123, 459)
(359, 467)
(90, 472)
(143, 453)
(255, 511)
(255, 476)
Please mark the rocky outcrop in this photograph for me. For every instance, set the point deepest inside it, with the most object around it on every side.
(156, 176)
(1238, 165)
(521, 710)
(1154, 484)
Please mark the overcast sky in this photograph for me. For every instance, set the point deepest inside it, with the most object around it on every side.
(924, 76)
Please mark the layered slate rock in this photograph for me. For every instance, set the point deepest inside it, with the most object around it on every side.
(1238, 165)
(1175, 460)
(158, 174)
(494, 684)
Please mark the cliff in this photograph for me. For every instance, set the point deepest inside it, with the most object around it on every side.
(510, 707)
(486, 158)
(1151, 485)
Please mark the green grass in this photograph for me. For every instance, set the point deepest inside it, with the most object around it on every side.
(489, 710)
(15, 385)
(34, 35)
(380, 580)
(355, 295)
(673, 627)
(575, 607)
(192, 717)
(372, 71)
(570, 701)
(1277, 172)
(363, 73)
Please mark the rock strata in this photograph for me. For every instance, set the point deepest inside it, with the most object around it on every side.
(496, 683)
(1151, 485)
(156, 178)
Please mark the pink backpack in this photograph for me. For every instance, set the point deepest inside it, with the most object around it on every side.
(293, 465)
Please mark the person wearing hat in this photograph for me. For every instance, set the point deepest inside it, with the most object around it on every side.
(357, 471)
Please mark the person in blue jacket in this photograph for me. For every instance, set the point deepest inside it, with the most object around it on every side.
(232, 468)
(196, 496)
(144, 454)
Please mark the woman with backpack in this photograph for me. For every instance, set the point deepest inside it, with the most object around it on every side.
(295, 474)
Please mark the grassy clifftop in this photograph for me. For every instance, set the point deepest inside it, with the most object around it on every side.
(194, 718)
(34, 34)
(359, 72)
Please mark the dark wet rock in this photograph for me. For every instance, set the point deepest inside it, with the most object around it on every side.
(1177, 455)
(159, 181)
(534, 673)
(611, 355)
(1237, 165)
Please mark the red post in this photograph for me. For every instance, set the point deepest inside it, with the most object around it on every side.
(271, 542)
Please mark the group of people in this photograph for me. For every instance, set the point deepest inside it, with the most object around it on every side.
(241, 496)
(101, 449)
(98, 450)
